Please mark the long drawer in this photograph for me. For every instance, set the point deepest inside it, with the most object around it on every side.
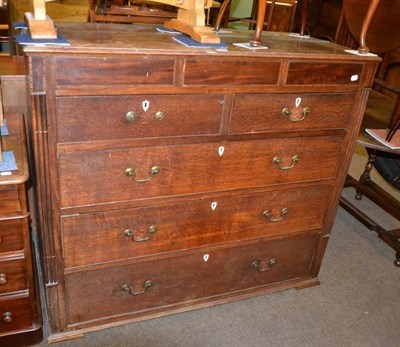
(15, 314)
(117, 117)
(12, 275)
(187, 277)
(253, 113)
(129, 174)
(11, 235)
(116, 235)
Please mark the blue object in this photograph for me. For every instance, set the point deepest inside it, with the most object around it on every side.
(25, 39)
(8, 163)
(4, 129)
(189, 42)
(167, 31)
(20, 25)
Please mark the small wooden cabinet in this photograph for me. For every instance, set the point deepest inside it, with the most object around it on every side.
(173, 178)
(19, 317)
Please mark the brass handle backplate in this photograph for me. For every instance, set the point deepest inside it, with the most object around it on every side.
(287, 112)
(268, 215)
(264, 265)
(7, 317)
(137, 290)
(130, 172)
(131, 116)
(131, 233)
(278, 162)
(3, 279)
(159, 115)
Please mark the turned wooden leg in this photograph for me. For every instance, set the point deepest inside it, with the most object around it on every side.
(365, 177)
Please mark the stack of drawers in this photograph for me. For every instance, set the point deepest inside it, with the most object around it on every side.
(19, 324)
(179, 178)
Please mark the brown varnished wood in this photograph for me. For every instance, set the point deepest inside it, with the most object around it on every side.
(231, 99)
(222, 269)
(11, 235)
(384, 31)
(204, 119)
(181, 225)
(233, 170)
(249, 112)
(19, 317)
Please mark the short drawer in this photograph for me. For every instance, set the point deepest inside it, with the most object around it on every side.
(231, 72)
(187, 277)
(116, 235)
(11, 234)
(139, 116)
(306, 73)
(12, 275)
(114, 71)
(15, 314)
(10, 201)
(254, 113)
(160, 171)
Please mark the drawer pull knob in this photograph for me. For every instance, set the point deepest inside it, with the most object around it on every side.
(159, 115)
(264, 265)
(155, 170)
(7, 317)
(268, 214)
(131, 116)
(3, 279)
(131, 233)
(137, 290)
(278, 162)
(287, 112)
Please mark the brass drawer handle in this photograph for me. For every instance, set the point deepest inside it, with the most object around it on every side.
(136, 291)
(159, 115)
(155, 170)
(278, 162)
(131, 116)
(131, 233)
(3, 279)
(268, 214)
(264, 265)
(7, 317)
(287, 112)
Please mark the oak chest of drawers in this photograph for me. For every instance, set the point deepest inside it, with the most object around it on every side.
(172, 178)
(19, 318)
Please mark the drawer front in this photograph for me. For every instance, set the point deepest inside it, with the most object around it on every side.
(324, 73)
(12, 275)
(11, 234)
(97, 71)
(231, 72)
(186, 278)
(15, 314)
(137, 232)
(290, 112)
(78, 118)
(122, 175)
(10, 204)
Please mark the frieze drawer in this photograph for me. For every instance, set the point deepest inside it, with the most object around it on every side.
(160, 171)
(138, 116)
(116, 235)
(254, 113)
(186, 278)
(97, 71)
